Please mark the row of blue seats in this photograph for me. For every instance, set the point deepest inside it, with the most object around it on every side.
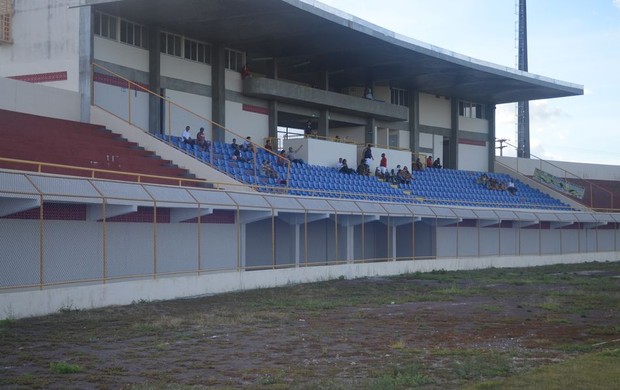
(443, 186)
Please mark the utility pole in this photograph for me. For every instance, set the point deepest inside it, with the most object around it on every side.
(501, 145)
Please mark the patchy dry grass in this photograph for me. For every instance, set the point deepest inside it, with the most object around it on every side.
(495, 328)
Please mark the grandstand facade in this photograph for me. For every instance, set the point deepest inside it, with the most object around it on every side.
(97, 93)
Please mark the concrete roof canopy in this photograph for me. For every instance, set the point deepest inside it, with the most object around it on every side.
(308, 39)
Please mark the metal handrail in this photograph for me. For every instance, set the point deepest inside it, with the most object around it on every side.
(572, 175)
(170, 103)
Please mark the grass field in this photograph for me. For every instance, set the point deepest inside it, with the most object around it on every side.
(552, 327)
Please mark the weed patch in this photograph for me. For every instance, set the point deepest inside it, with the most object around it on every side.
(65, 368)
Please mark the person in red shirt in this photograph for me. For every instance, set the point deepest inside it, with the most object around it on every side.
(429, 162)
(383, 164)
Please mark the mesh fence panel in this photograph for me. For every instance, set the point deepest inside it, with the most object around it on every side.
(130, 244)
(20, 260)
(72, 249)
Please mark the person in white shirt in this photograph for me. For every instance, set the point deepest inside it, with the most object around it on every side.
(511, 187)
(187, 138)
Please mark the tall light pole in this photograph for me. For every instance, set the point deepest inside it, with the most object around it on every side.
(523, 107)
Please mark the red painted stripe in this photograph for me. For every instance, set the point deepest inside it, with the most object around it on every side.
(256, 109)
(41, 77)
(474, 142)
(118, 82)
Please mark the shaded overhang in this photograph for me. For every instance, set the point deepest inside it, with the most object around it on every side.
(310, 41)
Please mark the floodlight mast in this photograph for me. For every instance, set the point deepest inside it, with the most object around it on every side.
(523, 108)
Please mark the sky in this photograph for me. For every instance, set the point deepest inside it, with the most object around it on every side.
(575, 41)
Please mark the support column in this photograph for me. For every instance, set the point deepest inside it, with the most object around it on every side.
(490, 115)
(85, 49)
(323, 81)
(414, 121)
(242, 240)
(393, 236)
(218, 92)
(273, 119)
(370, 131)
(453, 149)
(155, 104)
(323, 126)
(296, 244)
(350, 243)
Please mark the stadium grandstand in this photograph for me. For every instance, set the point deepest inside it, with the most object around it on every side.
(104, 200)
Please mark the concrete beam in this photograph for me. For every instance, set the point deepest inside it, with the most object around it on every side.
(354, 220)
(265, 88)
(521, 224)
(488, 222)
(399, 221)
(299, 219)
(249, 216)
(94, 212)
(179, 214)
(11, 206)
(561, 224)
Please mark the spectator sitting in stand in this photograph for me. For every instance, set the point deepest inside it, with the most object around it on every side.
(363, 169)
(339, 163)
(378, 174)
(429, 162)
(268, 145)
(282, 160)
(437, 163)
(247, 146)
(187, 138)
(405, 176)
(483, 179)
(345, 168)
(292, 155)
(201, 140)
(511, 187)
(267, 170)
(492, 184)
(236, 155)
(418, 165)
(234, 145)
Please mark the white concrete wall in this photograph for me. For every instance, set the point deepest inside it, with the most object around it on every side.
(233, 80)
(119, 53)
(182, 69)
(321, 152)
(474, 125)
(245, 123)
(434, 142)
(40, 302)
(192, 112)
(473, 158)
(45, 39)
(120, 101)
(435, 111)
(38, 99)
(353, 134)
(562, 168)
(165, 151)
(403, 139)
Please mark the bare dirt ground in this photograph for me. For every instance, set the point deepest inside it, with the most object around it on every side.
(436, 330)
